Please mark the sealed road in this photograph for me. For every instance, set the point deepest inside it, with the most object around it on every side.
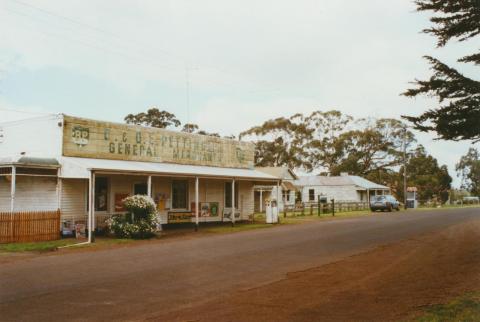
(148, 281)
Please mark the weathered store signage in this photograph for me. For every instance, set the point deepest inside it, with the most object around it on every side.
(103, 140)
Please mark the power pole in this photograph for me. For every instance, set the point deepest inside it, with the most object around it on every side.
(187, 92)
(405, 167)
(188, 69)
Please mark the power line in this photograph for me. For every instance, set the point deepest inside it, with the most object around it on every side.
(183, 59)
(94, 28)
(25, 112)
(94, 45)
(123, 54)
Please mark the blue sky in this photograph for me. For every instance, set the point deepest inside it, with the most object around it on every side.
(247, 61)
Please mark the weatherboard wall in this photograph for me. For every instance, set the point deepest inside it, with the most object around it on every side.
(31, 194)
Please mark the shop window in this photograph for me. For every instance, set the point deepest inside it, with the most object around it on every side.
(140, 189)
(101, 194)
(179, 194)
(228, 195)
(311, 194)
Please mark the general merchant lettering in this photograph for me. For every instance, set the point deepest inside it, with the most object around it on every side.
(95, 139)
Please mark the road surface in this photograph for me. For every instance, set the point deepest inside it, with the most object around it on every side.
(158, 279)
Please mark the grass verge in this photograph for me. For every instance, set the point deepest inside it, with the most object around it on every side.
(47, 246)
(36, 246)
(238, 227)
(466, 308)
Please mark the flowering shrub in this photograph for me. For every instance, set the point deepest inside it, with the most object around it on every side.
(140, 206)
(140, 222)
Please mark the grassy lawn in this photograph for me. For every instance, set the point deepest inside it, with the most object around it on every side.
(36, 246)
(53, 245)
(466, 308)
(298, 218)
(238, 227)
(445, 207)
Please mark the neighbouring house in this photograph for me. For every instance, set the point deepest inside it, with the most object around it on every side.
(287, 190)
(346, 188)
(85, 168)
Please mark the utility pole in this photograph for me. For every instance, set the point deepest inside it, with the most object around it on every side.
(405, 167)
(188, 89)
(187, 92)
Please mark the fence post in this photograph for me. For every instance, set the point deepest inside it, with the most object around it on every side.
(333, 207)
(303, 209)
(311, 209)
(318, 205)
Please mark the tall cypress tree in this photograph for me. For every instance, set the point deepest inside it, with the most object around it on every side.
(457, 115)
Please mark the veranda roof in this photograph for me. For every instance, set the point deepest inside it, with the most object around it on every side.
(28, 161)
(80, 168)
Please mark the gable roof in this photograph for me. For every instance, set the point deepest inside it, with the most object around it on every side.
(338, 181)
(283, 173)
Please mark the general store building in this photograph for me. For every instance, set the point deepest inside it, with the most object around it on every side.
(69, 163)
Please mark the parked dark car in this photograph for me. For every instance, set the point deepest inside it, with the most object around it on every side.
(386, 202)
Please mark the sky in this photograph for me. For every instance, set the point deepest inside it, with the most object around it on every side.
(224, 65)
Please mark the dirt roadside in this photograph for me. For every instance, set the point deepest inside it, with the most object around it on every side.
(390, 283)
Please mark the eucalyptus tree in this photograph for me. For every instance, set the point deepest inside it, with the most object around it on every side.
(325, 149)
(154, 118)
(469, 169)
(280, 142)
(430, 178)
(373, 147)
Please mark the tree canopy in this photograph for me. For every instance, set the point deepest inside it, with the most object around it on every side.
(457, 115)
(469, 169)
(154, 118)
(424, 172)
(331, 142)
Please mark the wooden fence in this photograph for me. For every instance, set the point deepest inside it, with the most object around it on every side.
(314, 208)
(29, 226)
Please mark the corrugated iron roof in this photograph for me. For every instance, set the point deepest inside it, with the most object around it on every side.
(338, 181)
(73, 167)
(283, 173)
(30, 161)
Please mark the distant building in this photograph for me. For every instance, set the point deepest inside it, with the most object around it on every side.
(341, 188)
(287, 191)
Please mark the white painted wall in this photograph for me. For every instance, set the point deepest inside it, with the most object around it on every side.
(5, 189)
(339, 193)
(36, 137)
(32, 194)
(74, 199)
